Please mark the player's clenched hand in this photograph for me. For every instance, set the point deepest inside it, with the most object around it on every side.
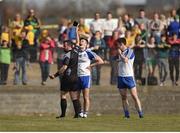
(119, 51)
(89, 68)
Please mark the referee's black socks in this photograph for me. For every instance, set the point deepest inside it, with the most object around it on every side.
(63, 107)
(77, 107)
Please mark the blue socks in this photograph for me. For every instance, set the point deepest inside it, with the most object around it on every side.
(126, 114)
(140, 114)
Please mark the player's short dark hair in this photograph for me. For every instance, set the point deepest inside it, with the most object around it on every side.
(83, 38)
(109, 12)
(121, 40)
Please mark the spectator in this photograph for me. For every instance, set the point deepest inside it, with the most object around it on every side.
(5, 36)
(72, 32)
(174, 55)
(32, 48)
(120, 28)
(83, 29)
(139, 60)
(136, 30)
(109, 27)
(97, 45)
(112, 54)
(163, 59)
(96, 24)
(21, 58)
(144, 33)
(142, 19)
(34, 22)
(61, 30)
(130, 39)
(5, 60)
(151, 56)
(46, 55)
(163, 26)
(155, 26)
(16, 26)
(173, 16)
(173, 27)
(126, 21)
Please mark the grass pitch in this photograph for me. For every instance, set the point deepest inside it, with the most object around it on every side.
(93, 123)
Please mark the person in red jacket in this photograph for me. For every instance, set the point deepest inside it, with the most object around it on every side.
(46, 55)
(112, 55)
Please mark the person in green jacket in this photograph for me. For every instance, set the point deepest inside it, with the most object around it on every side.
(5, 60)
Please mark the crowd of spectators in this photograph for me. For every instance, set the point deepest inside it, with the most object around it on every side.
(155, 41)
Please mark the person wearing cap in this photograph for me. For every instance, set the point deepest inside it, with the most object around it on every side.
(69, 79)
(125, 58)
(46, 55)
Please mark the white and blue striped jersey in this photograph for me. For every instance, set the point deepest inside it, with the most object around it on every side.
(84, 61)
(126, 69)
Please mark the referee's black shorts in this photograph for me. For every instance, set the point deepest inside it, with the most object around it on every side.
(69, 84)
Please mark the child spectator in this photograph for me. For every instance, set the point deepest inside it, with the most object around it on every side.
(130, 39)
(98, 45)
(5, 60)
(32, 48)
(5, 36)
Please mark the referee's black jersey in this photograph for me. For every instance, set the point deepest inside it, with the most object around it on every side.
(71, 60)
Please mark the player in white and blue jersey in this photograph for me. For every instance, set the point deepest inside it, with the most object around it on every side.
(84, 72)
(126, 77)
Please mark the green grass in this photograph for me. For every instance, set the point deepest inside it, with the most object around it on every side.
(93, 123)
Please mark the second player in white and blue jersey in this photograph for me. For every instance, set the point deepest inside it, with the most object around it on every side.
(125, 70)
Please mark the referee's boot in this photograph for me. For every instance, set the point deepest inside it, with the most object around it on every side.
(61, 116)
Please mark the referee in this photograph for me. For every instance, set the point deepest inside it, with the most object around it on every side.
(69, 79)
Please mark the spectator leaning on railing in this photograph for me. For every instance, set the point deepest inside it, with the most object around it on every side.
(163, 49)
